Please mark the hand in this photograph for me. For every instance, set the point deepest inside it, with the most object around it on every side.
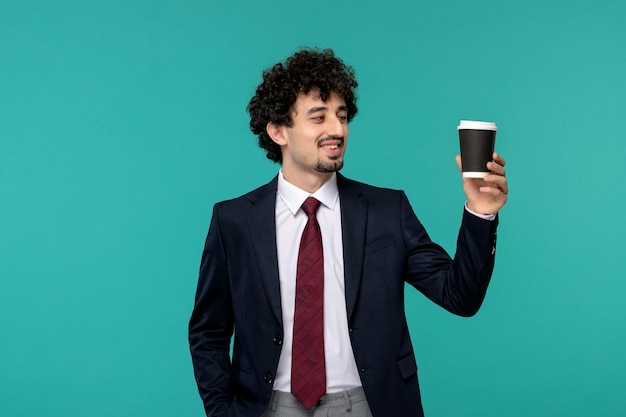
(489, 194)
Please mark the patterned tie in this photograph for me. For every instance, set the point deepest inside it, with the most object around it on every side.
(308, 367)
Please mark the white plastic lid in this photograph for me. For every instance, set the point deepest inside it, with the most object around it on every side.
(473, 124)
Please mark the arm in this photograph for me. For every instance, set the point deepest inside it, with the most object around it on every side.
(458, 285)
(211, 325)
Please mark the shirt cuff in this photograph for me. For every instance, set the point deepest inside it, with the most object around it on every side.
(482, 216)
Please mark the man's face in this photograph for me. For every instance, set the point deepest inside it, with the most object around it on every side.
(317, 140)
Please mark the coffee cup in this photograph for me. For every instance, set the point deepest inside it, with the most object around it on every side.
(477, 140)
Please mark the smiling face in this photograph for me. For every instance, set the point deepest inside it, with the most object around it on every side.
(313, 147)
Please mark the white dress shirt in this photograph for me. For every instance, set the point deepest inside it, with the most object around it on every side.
(341, 370)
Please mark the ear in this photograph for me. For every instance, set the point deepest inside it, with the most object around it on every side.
(277, 133)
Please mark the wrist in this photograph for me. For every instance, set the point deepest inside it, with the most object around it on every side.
(471, 210)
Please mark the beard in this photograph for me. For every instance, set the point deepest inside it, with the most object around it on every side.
(329, 166)
(335, 163)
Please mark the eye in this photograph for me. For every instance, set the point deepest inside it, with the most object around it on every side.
(317, 118)
(343, 117)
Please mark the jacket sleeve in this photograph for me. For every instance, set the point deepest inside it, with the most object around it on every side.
(459, 285)
(211, 325)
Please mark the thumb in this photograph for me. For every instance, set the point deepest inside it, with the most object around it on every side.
(458, 163)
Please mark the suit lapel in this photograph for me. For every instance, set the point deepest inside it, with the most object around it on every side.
(262, 224)
(353, 225)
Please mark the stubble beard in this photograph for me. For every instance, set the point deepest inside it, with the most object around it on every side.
(329, 166)
(335, 163)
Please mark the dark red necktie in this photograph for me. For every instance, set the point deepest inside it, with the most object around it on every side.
(308, 367)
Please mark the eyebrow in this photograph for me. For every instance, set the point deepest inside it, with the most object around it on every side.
(323, 108)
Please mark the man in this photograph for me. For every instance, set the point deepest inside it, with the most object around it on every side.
(313, 288)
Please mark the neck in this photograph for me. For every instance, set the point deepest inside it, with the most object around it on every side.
(309, 182)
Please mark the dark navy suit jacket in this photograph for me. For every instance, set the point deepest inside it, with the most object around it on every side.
(385, 246)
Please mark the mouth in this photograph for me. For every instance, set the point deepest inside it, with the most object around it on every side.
(331, 144)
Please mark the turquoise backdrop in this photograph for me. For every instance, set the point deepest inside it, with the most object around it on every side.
(123, 122)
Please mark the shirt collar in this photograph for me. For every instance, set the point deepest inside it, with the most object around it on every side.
(293, 197)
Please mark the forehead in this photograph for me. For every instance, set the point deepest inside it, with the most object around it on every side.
(313, 99)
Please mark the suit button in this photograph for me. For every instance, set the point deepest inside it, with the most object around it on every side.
(278, 340)
(268, 379)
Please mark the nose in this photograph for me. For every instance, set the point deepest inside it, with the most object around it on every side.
(336, 127)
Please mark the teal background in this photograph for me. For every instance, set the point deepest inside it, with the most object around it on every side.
(123, 122)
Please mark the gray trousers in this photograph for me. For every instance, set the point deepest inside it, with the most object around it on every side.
(351, 403)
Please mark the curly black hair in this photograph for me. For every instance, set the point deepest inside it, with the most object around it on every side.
(305, 70)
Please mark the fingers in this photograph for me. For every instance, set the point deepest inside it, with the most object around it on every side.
(495, 182)
(458, 163)
(497, 166)
(494, 188)
(497, 158)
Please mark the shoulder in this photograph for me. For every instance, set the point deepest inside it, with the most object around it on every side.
(370, 192)
(250, 198)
